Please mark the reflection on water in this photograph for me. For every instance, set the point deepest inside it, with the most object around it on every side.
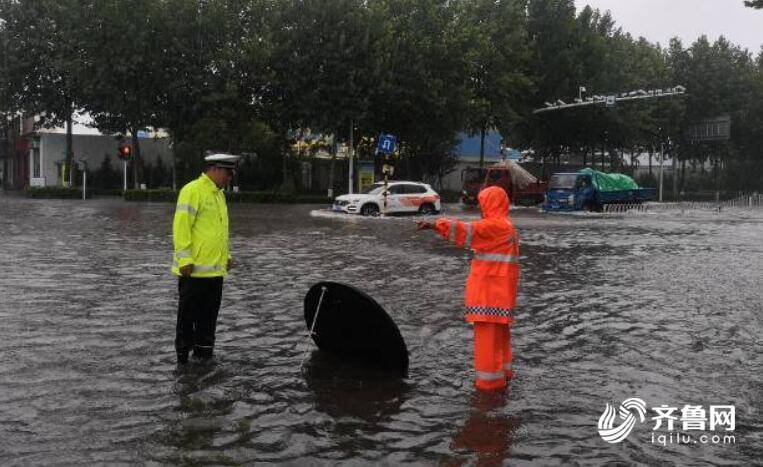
(347, 388)
(489, 431)
(664, 307)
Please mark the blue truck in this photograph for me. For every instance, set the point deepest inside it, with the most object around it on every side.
(590, 190)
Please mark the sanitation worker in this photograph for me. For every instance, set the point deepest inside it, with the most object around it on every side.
(201, 256)
(491, 289)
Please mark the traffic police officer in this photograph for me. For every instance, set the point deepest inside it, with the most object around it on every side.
(201, 256)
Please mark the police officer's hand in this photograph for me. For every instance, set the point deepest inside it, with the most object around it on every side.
(186, 270)
(424, 225)
(231, 264)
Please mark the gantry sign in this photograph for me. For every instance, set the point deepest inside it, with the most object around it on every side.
(612, 99)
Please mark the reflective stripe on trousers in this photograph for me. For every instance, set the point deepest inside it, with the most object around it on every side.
(489, 376)
(497, 258)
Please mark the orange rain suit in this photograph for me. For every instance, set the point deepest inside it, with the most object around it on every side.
(491, 289)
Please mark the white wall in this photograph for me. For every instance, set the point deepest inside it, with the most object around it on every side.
(93, 148)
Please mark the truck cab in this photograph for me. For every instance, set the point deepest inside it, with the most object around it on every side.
(476, 180)
(472, 179)
(570, 192)
(590, 190)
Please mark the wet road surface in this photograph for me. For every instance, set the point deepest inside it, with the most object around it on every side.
(665, 307)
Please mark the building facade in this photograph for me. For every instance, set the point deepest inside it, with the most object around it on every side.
(35, 157)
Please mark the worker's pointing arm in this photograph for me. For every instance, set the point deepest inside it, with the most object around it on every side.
(454, 230)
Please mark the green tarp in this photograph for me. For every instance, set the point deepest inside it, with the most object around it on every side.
(610, 182)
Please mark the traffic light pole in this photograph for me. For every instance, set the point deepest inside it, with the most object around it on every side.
(124, 184)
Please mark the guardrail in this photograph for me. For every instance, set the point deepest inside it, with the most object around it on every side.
(751, 201)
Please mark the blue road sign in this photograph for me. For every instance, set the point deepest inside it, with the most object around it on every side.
(386, 144)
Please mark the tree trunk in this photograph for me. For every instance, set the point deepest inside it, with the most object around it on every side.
(68, 151)
(330, 191)
(683, 173)
(651, 150)
(482, 146)
(543, 165)
(136, 159)
(287, 184)
(675, 176)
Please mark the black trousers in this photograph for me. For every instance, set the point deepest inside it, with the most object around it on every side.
(198, 306)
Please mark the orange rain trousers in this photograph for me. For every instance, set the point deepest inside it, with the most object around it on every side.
(492, 355)
(491, 288)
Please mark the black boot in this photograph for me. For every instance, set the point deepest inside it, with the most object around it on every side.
(202, 353)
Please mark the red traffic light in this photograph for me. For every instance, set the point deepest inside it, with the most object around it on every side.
(125, 151)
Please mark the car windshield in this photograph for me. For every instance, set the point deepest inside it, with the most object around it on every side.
(565, 181)
(374, 189)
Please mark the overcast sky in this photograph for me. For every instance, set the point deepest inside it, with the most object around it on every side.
(659, 20)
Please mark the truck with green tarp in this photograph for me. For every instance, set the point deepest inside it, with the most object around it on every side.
(590, 190)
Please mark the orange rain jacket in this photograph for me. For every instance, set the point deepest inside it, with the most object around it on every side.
(491, 289)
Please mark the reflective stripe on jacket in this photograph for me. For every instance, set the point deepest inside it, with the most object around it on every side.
(491, 288)
(200, 229)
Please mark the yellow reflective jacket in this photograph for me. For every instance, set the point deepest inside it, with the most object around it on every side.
(200, 229)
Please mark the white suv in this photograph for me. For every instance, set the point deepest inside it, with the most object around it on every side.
(403, 197)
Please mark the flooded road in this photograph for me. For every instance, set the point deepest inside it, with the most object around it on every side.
(661, 307)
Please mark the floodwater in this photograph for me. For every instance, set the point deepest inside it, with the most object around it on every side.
(661, 307)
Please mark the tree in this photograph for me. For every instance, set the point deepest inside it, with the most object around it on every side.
(495, 35)
(758, 4)
(323, 66)
(123, 71)
(422, 92)
(7, 107)
(45, 40)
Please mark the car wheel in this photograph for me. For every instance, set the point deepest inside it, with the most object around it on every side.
(426, 209)
(369, 210)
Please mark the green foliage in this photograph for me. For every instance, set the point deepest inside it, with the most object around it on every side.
(275, 198)
(449, 196)
(106, 176)
(242, 76)
(55, 192)
(164, 195)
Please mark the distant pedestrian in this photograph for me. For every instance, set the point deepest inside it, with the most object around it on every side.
(201, 256)
(491, 289)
